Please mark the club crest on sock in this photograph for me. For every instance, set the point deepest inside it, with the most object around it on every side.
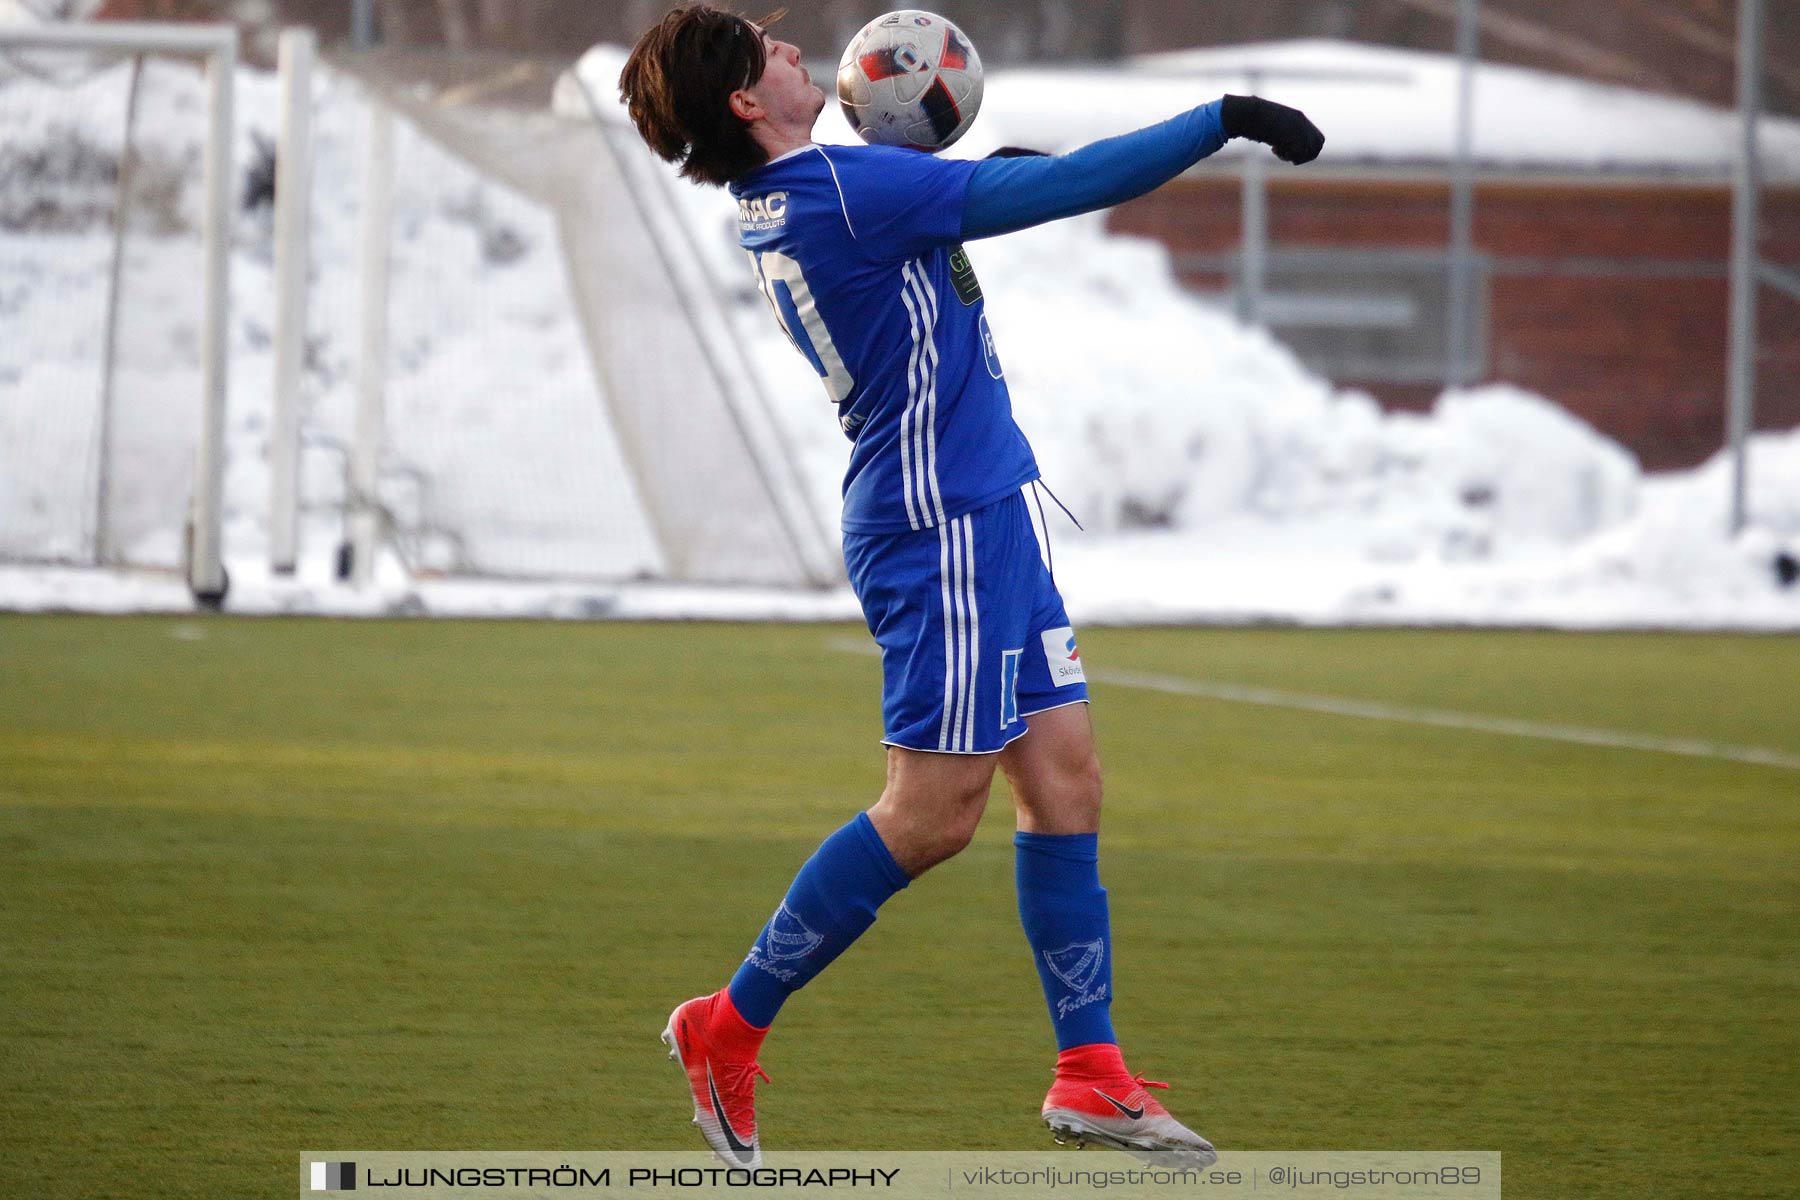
(789, 936)
(1078, 966)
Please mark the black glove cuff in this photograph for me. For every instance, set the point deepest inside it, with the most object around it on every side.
(1237, 115)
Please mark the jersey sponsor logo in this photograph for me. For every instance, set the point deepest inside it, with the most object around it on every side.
(962, 277)
(989, 350)
(1063, 657)
(760, 213)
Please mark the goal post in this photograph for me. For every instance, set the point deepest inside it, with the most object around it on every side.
(216, 46)
(293, 194)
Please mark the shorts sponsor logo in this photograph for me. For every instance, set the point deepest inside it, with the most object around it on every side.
(1063, 657)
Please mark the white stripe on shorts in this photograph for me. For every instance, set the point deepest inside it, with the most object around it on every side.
(968, 524)
(958, 598)
(949, 637)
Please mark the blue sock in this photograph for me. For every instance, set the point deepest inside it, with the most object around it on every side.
(1063, 909)
(831, 902)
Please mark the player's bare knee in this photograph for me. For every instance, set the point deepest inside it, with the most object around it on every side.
(932, 814)
(957, 816)
(959, 831)
(1063, 798)
(1086, 784)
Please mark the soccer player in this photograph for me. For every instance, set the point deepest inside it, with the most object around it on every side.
(859, 252)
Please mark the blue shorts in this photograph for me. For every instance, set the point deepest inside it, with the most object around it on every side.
(973, 634)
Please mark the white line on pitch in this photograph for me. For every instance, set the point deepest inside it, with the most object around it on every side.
(1370, 710)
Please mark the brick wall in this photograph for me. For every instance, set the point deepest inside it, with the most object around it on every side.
(1611, 300)
(1683, 46)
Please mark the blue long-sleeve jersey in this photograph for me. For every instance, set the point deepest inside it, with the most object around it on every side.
(1009, 194)
(858, 251)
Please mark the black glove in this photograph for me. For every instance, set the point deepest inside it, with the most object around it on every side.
(1285, 130)
(1017, 152)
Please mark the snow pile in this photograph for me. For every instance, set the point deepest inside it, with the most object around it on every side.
(1217, 478)
(1153, 410)
(1669, 565)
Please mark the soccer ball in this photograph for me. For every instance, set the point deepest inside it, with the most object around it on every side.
(910, 78)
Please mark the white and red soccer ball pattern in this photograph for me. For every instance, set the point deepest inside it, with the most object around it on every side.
(910, 78)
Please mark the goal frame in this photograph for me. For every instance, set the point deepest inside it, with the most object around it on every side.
(217, 47)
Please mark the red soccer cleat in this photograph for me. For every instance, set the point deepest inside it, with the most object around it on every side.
(717, 1048)
(1095, 1099)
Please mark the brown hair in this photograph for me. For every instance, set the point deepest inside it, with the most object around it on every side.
(677, 86)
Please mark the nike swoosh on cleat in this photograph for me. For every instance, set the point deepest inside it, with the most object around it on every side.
(1136, 1114)
(743, 1149)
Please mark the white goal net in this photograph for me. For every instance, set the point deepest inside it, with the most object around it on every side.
(468, 344)
(559, 396)
(111, 381)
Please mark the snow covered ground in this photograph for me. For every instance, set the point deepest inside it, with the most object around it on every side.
(1217, 479)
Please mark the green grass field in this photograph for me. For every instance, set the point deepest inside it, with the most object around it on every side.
(268, 885)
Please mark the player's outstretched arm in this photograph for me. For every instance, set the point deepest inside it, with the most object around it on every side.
(1009, 194)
